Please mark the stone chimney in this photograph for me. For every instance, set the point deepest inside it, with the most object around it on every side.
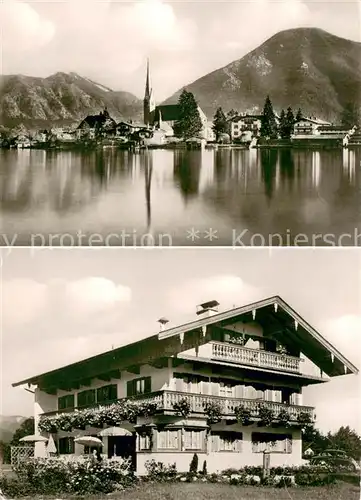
(162, 322)
(208, 308)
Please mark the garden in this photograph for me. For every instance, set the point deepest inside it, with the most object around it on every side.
(88, 478)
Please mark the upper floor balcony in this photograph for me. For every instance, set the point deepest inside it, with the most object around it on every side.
(234, 353)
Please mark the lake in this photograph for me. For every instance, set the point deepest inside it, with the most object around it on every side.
(162, 197)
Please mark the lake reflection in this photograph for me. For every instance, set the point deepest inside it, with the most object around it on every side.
(232, 192)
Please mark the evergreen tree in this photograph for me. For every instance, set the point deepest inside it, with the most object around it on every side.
(290, 123)
(220, 125)
(283, 125)
(268, 121)
(299, 115)
(189, 123)
(350, 116)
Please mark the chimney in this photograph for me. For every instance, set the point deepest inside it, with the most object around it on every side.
(208, 308)
(162, 322)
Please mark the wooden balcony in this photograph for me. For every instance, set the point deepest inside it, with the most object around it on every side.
(246, 356)
(165, 401)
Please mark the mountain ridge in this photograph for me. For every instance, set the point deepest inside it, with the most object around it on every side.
(306, 67)
(61, 98)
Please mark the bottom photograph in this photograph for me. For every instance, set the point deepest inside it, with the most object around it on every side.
(134, 370)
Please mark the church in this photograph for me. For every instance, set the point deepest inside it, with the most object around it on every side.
(164, 117)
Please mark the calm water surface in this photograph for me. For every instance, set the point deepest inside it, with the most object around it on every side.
(225, 197)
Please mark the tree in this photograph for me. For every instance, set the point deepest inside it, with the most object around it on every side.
(26, 428)
(299, 115)
(290, 123)
(347, 440)
(282, 125)
(350, 115)
(220, 125)
(189, 123)
(268, 121)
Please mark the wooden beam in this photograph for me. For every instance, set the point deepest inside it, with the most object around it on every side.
(133, 369)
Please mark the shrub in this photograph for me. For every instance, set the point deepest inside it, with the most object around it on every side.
(14, 488)
(193, 466)
(204, 468)
(86, 475)
(213, 411)
(157, 471)
(182, 407)
(266, 415)
(283, 418)
(243, 415)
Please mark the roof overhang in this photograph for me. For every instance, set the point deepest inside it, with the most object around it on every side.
(272, 313)
(287, 325)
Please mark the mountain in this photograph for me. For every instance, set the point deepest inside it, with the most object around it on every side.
(60, 99)
(304, 67)
(8, 425)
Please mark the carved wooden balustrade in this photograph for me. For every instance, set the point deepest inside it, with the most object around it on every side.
(244, 355)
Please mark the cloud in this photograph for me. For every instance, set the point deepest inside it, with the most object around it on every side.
(228, 290)
(94, 294)
(22, 27)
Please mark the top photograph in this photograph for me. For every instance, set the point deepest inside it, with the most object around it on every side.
(170, 123)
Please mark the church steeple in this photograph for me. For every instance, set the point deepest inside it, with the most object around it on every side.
(148, 102)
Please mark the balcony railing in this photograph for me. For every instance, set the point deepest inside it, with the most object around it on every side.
(255, 357)
(165, 401)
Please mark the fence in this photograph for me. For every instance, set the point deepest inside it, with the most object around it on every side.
(20, 453)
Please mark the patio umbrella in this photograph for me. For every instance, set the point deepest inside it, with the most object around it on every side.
(89, 441)
(114, 431)
(51, 448)
(33, 438)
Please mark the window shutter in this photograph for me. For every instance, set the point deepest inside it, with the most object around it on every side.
(147, 384)
(130, 388)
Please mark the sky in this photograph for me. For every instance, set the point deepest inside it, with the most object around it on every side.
(109, 40)
(61, 306)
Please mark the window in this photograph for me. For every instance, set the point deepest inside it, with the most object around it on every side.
(66, 401)
(107, 393)
(139, 386)
(168, 439)
(226, 441)
(225, 389)
(144, 441)
(86, 398)
(66, 446)
(193, 439)
(273, 443)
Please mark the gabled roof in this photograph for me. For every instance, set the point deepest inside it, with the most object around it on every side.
(291, 327)
(272, 313)
(169, 112)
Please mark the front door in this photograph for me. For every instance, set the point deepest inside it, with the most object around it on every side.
(122, 446)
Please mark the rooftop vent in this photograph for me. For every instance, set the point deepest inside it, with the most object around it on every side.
(162, 322)
(208, 308)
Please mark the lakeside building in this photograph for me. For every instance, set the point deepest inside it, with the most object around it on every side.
(245, 126)
(251, 363)
(163, 117)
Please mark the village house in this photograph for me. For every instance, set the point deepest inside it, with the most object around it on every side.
(227, 386)
(307, 127)
(245, 127)
(93, 123)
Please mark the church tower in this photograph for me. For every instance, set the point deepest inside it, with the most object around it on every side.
(148, 102)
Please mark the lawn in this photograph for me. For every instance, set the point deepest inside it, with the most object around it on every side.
(199, 491)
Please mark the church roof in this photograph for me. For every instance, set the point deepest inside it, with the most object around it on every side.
(169, 112)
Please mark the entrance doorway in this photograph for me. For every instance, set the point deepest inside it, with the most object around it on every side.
(123, 446)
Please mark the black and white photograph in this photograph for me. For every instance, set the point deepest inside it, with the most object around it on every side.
(167, 123)
(180, 249)
(222, 373)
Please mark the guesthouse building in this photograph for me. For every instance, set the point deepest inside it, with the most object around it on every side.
(227, 386)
